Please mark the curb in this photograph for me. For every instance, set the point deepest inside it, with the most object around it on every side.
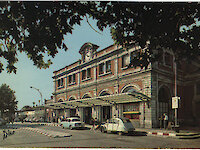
(43, 132)
(175, 135)
(161, 134)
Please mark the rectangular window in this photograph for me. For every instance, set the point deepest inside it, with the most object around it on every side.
(70, 79)
(160, 56)
(108, 66)
(61, 84)
(125, 60)
(101, 68)
(74, 78)
(89, 73)
(86, 74)
(83, 74)
(167, 59)
(58, 82)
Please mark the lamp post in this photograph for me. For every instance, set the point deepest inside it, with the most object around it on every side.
(39, 92)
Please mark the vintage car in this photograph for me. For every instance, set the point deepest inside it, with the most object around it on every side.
(119, 125)
(72, 123)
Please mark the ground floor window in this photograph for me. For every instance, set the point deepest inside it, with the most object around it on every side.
(131, 110)
(106, 110)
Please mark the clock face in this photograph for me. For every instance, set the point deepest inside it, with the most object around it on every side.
(88, 55)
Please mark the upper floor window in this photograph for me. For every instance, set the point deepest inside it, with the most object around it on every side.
(83, 74)
(125, 60)
(101, 68)
(89, 73)
(86, 74)
(105, 67)
(108, 66)
(60, 82)
(167, 59)
(72, 78)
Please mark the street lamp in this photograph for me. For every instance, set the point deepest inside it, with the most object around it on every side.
(39, 92)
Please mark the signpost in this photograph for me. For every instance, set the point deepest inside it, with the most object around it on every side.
(175, 102)
(175, 105)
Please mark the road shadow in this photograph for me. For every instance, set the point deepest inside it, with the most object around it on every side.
(136, 133)
(83, 128)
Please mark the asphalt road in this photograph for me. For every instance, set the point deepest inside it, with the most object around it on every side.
(89, 139)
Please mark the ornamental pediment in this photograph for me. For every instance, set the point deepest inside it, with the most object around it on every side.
(88, 51)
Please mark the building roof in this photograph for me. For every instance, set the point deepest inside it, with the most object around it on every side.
(107, 100)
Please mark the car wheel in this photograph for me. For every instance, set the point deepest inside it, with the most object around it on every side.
(120, 133)
(103, 130)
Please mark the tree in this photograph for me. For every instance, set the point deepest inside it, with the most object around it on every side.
(38, 28)
(7, 100)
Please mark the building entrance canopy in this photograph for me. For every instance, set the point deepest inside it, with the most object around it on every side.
(107, 100)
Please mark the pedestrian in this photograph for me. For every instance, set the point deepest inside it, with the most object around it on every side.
(93, 123)
(165, 120)
(161, 121)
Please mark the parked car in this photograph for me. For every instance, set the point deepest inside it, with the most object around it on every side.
(16, 120)
(72, 123)
(2, 122)
(119, 125)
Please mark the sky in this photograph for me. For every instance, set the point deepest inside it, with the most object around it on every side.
(29, 75)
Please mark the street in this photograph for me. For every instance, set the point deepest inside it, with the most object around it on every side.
(23, 137)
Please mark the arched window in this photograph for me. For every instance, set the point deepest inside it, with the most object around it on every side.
(60, 100)
(104, 93)
(71, 98)
(128, 89)
(86, 96)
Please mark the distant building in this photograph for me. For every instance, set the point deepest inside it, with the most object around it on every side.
(50, 114)
(101, 85)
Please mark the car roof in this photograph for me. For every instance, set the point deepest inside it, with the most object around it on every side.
(119, 118)
(73, 118)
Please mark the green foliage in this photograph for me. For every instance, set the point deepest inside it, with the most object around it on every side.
(7, 100)
(39, 27)
(152, 26)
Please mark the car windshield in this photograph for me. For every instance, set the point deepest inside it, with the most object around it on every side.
(125, 120)
(75, 120)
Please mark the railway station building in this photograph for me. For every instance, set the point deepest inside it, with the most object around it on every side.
(102, 86)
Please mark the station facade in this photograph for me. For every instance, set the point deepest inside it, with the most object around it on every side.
(102, 86)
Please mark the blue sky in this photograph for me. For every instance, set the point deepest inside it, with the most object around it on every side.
(29, 75)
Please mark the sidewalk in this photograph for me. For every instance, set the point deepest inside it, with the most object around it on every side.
(183, 133)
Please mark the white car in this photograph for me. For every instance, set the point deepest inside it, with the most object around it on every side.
(120, 125)
(72, 123)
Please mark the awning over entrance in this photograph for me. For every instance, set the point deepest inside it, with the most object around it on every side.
(107, 100)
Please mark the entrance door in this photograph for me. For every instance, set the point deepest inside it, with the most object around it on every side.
(164, 102)
(87, 112)
(72, 112)
(106, 113)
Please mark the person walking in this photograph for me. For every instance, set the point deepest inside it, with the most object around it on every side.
(161, 121)
(165, 120)
(93, 123)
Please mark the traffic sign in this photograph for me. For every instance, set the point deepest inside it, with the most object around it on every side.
(175, 102)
